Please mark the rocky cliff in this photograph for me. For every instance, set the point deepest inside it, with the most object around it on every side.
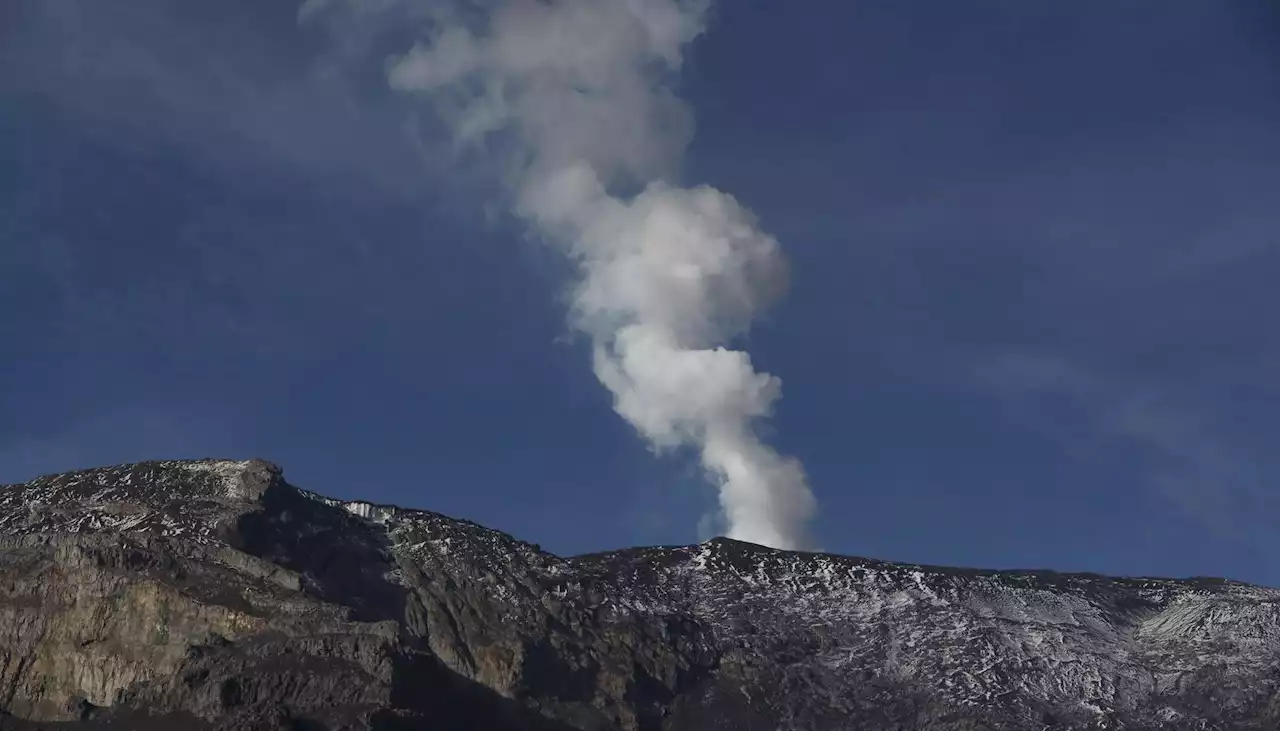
(212, 594)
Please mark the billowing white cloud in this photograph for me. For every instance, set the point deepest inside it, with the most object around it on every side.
(573, 96)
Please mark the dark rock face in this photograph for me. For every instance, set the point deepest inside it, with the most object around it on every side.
(211, 594)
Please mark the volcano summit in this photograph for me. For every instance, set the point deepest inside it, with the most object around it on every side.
(213, 594)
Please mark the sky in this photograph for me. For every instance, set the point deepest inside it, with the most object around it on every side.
(1030, 245)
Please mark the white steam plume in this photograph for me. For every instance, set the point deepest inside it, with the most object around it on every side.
(669, 275)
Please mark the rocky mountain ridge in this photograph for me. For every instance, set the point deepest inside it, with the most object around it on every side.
(213, 594)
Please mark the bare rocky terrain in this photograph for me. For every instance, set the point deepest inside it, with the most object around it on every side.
(214, 595)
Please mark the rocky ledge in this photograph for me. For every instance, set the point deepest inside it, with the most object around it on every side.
(213, 595)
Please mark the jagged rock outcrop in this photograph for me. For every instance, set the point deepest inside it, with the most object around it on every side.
(212, 594)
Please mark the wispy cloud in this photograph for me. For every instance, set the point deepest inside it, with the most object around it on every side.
(1186, 460)
(238, 87)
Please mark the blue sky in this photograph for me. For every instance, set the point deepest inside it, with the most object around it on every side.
(1032, 248)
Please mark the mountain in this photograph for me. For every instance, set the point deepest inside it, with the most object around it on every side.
(214, 595)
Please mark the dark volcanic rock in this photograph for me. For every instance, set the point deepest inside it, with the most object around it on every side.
(213, 595)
